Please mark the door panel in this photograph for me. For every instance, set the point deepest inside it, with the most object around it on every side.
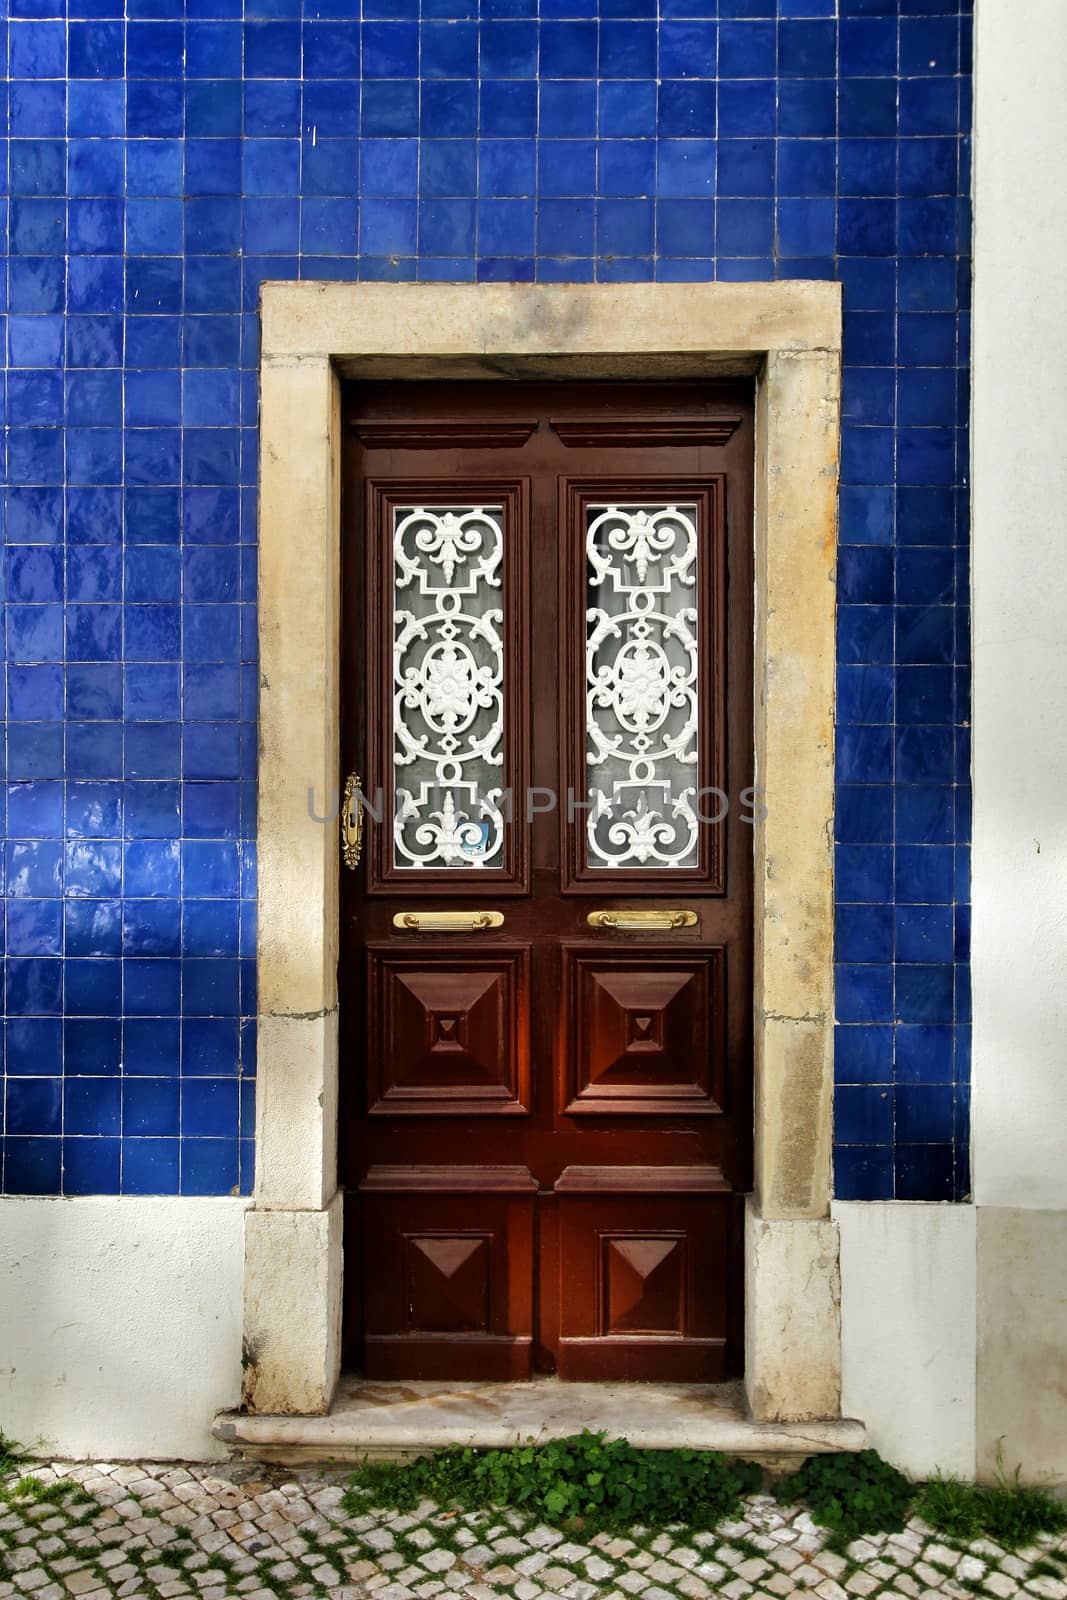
(448, 1031)
(447, 1268)
(638, 1249)
(645, 1031)
(547, 950)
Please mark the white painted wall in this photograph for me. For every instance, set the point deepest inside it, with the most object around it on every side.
(1020, 606)
(120, 1323)
(1019, 961)
(908, 1331)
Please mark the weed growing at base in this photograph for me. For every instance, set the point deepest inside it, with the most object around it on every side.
(850, 1494)
(1007, 1511)
(603, 1483)
(595, 1483)
(11, 1456)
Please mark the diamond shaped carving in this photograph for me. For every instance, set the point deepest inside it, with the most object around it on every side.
(646, 1030)
(447, 1283)
(644, 1285)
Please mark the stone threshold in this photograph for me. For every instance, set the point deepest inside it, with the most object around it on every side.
(393, 1420)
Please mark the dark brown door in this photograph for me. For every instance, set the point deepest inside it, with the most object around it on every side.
(546, 972)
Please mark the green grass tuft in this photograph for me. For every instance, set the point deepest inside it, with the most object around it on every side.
(1008, 1512)
(11, 1456)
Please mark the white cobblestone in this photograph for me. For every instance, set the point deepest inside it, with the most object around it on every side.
(251, 1533)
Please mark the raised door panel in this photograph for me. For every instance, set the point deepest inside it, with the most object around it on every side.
(645, 1032)
(448, 1271)
(448, 1031)
(644, 1263)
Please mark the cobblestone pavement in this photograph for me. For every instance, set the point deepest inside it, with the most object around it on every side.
(166, 1531)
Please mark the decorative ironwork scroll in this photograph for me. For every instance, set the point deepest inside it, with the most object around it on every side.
(448, 699)
(642, 701)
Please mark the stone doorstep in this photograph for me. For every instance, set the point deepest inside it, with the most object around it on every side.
(386, 1421)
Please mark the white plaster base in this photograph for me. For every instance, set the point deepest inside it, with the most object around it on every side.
(792, 1319)
(292, 1342)
(1022, 1343)
(120, 1324)
(908, 1331)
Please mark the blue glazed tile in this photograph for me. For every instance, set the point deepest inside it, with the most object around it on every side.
(864, 814)
(864, 693)
(32, 988)
(272, 50)
(863, 934)
(863, 1172)
(924, 1054)
(863, 1054)
(627, 50)
(868, 46)
(864, 633)
(506, 167)
(150, 1166)
(868, 107)
(924, 634)
(150, 1107)
(687, 111)
(807, 49)
(863, 1114)
(747, 109)
(924, 1172)
(748, 49)
(568, 109)
(865, 575)
(208, 1107)
(629, 110)
(925, 874)
(34, 1106)
(744, 227)
(92, 1106)
(867, 167)
(807, 107)
(864, 754)
(34, 1047)
(151, 1047)
(151, 927)
(806, 227)
(924, 993)
(92, 928)
(32, 1166)
(924, 815)
(930, 106)
(745, 166)
(209, 1166)
(924, 933)
(687, 49)
(626, 167)
(92, 1047)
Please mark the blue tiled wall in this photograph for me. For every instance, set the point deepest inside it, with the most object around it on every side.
(162, 161)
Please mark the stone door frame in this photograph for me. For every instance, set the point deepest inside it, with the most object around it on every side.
(789, 336)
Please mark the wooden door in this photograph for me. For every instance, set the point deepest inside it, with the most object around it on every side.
(546, 970)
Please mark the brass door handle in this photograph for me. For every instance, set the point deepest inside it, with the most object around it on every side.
(641, 920)
(447, 921)
(352, 822)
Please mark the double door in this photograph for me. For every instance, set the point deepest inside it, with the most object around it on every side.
(547, 935)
